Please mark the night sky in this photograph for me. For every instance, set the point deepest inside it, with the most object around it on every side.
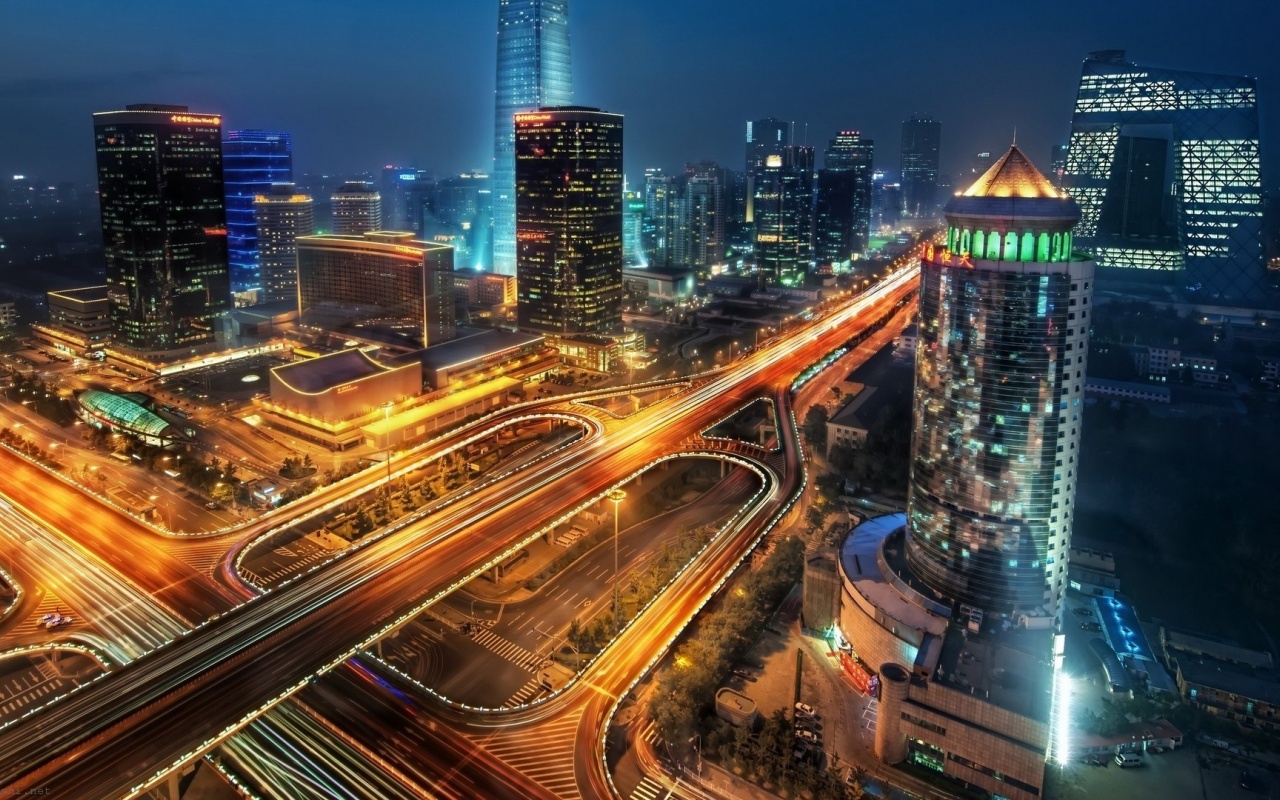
(411, 81)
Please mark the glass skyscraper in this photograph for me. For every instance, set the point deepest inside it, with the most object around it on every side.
(252, 160)
(921, 143)
(533, 71)
(569, 220)
(783, 210)
(164, 226)
(842, 211)
(1165, 165)
(999, 390)
(283, 214)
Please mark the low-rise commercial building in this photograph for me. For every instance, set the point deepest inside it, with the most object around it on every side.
(1225, 679)
(79, 320)
(481, 354)
(659, 285)
(133, 414)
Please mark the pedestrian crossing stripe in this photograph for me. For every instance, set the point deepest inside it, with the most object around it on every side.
(507, 649)
(524, 694)
(647, 789)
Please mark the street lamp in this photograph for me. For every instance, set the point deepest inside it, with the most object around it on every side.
(616, 495)
(386, 416)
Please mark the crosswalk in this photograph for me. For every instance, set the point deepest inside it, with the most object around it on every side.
(650, 732)
(49, 604)
(298, 561)
(507, 649)
(30, 687)
(526, 693)
(204, 555)
(649, 789)
(548, 759)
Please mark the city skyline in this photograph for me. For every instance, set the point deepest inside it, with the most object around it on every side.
(44, 137)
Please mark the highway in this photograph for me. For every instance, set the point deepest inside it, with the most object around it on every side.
(115, 735)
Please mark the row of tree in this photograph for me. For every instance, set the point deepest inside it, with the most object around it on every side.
(686, 690)
(766, 758)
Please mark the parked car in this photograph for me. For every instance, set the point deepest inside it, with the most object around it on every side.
(1082, 612)
(1091, 626)
(807, 736)
(806, 710)
(1128, 760)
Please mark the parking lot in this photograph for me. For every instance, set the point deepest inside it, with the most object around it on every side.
(1172, 776)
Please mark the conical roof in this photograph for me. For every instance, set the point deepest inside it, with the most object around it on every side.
(1013, 176)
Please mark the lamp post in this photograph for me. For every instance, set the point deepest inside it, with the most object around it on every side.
(386, 415)
(616, 495)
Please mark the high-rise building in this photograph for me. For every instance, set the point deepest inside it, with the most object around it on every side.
(356, 209)
(533, 72)
(783, 211)
(569, 220)
(406, 195)
(384, 285)
(700, 210)
(658, 228)
(633, 254)
(921, 143)
(1058, 161)
(459, 210)
(842, 211)
(1165, 165)
(1004, 332)
(252, 161)
(164, 226)
(765, 137)
(283, 214)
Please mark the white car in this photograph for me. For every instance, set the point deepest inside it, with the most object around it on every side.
(807, 736)
(805, 709)
(58, 622)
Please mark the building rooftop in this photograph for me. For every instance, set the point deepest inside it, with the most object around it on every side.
(125, 411)
(860, 563)
(1212, 646)
(1237, 679)
(862, 409)
(316, 375)
(1008, 667)
(82, 294)
(471, 345)
(1013, 176)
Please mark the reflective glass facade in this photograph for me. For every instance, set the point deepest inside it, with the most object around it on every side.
(164, 227)
(569, 221)
(282, 216)
(998, 401)
(783, 209)
(921, 145)
(1166, 167)
(251, 161)
(533, 72)
(842, 212)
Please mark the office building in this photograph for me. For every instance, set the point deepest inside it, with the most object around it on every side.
(921, 143)
(1165, 165)
(252, 161)
(699, 235)
(633, 228)
(406, 194)
(164, 227)
(783, 214)
(1058, 161)
(356, 209)
(842, 211)
(949, 613)
(385, 286)
(283, 214)
(569, 220)
(79, 320)
(765, 137)
(1004, 333)
(657, 230)
(534, 71)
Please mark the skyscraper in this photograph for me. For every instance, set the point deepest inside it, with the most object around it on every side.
(356, 209)
(783, 210)
(385, 284)
(406, 195)
(569, 220)
(700, 210)
(1166, 167)
(765, 137)
(282, 215)
(164, 226)
(842, 212)
(921, 142)
(657, 229)
(252, 160)
(533, 72)
(1004, 330)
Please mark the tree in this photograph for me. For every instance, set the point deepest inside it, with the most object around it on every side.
(815, 426)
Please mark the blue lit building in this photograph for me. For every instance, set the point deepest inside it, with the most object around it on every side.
(1166, 167)
(533, 72)
(252, 160)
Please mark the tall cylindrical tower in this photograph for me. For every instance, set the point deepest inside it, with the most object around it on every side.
(999, 388)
